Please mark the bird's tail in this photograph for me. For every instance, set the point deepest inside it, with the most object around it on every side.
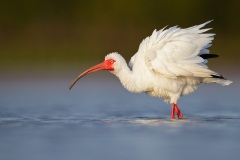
(221, 81)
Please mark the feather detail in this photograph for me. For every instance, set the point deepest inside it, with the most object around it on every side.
(177, 52)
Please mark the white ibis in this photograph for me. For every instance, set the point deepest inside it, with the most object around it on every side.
(168, 64)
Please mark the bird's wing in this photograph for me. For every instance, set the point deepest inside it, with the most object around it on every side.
(177, 52)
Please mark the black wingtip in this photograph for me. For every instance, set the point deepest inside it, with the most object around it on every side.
(218, 76)
(207, 56)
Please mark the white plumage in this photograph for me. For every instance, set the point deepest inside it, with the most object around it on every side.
(174, 52)
(168, 64)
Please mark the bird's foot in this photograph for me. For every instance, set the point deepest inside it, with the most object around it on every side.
(179, 113)
(172, 116)
(177, 110)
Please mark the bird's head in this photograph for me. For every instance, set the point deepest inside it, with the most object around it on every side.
(118, 62)
(111, 63)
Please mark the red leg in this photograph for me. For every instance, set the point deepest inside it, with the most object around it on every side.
(172, 116)
(179, 113)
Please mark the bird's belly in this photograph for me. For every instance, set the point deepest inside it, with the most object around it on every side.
(160, 93)
(172, 89)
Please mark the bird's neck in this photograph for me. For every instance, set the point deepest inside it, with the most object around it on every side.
(129, 79)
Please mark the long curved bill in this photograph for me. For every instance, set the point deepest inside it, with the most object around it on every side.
(95, 68)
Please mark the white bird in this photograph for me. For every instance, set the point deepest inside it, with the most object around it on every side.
(168, 64)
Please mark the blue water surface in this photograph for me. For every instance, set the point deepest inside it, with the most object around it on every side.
(99, 120)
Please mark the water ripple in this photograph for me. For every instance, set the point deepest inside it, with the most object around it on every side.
(118, 119)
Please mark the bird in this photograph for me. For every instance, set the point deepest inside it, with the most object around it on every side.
(169, 64)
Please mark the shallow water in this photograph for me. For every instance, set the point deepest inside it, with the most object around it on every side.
(98, 119)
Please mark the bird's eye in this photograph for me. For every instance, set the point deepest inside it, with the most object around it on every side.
(111, 61)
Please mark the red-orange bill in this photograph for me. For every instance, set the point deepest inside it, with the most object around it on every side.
(95, 68)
